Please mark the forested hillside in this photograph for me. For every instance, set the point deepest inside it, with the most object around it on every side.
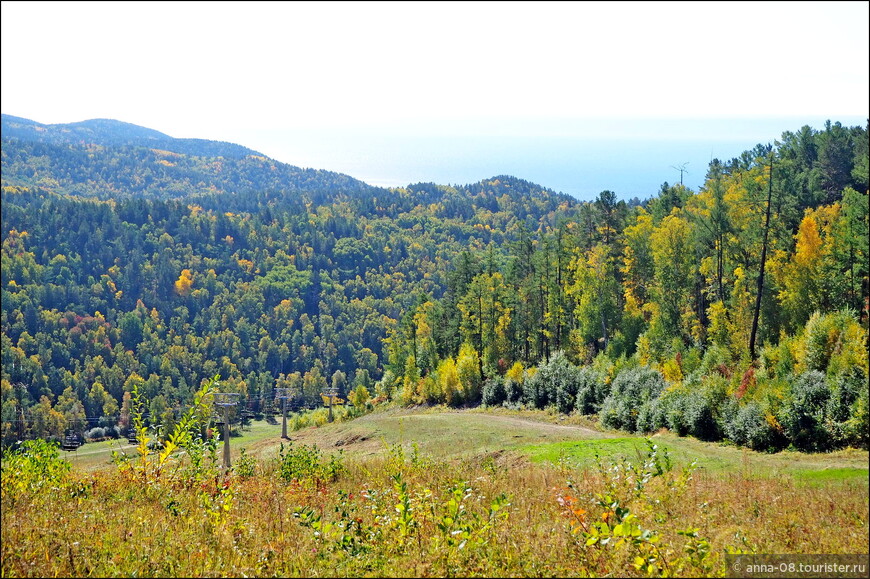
(93, 164)
(111, 133)
(159, 266)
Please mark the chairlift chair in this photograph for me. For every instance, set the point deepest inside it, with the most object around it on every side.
(71, 442)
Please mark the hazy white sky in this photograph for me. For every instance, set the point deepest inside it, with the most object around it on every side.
(191, 68)
(228, 70)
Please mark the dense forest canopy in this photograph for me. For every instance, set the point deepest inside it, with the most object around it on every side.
(133, 259)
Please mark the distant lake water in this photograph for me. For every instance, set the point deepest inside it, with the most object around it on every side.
(634, 160)
(579, 167)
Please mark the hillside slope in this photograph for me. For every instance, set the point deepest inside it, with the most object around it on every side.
(109, 132)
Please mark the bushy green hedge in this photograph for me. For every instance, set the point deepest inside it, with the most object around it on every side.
(632, 403)
(825, 412)
(555, 382)
(803, 415)
(513, 392)
(750, 425)
(592, 389)
(494, 393)
(694, 409)
(809, 391)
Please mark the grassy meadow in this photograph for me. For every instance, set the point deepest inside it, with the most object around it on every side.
(426, 492)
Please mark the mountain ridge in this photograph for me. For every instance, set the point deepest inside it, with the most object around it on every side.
(112, 132)
(107, 158)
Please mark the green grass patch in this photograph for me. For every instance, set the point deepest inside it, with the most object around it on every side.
(832, 475)
(583, 452)
(711, 457)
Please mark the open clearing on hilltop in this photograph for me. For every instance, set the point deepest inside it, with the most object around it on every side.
(512, 437)
(439, 433)
(468, 433)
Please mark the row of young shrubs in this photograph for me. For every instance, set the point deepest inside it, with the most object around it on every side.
(815, 414)
(809, 392)
(99, 433)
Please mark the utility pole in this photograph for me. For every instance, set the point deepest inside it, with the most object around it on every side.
(763, 259)
(226, 400)
(682, 169)
(332, 394)
(282, 394)
(19, 387)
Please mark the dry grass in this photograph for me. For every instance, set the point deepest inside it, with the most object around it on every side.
(122, 523)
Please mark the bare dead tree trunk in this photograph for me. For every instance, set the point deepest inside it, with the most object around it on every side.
(763, 260)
